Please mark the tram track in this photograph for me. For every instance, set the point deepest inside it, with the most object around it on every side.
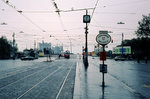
(25, 84)
(63, 83)
(50, 74)
(21, 78)
(20, 70)
(49, 81)
(63, 71)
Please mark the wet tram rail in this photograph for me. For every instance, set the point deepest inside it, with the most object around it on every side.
(48, 80)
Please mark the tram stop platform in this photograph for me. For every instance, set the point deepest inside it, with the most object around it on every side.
(88, 84)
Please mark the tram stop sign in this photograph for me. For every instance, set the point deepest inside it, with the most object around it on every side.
(103, 38)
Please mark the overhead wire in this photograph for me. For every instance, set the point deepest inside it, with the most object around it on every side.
(19, 11)
(113, 27)
(115, 13)
(56, 39)
(94, 8)
(61, 22)
(127, 3)
(39, 11)
(58, 10)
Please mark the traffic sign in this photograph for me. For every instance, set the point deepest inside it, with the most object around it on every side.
(103, 38)
(103, 56)
(103, 68)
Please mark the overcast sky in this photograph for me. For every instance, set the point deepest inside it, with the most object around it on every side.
(39, 20)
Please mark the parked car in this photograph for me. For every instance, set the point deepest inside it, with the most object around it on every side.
(27, 58)
(119, 58)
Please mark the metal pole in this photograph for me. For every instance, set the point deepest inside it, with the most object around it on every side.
(34, 44)
(122, 45)
(70, 46)
(13, 45)
(103, 83)
(86, 44)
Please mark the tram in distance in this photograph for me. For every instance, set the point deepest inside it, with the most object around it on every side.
(67, 54)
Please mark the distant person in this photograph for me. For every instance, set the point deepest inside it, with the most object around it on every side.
(59, 56)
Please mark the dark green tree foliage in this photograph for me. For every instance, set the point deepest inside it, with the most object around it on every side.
(5, 48)
(144, 27)
(140, 47)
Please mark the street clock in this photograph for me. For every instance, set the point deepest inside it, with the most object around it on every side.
(86, 19)
(103, 38)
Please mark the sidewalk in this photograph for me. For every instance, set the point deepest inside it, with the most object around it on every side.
(88, 85)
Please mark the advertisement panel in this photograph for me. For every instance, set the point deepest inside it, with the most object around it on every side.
(118, 50)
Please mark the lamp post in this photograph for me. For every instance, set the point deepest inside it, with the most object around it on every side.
(13, 45)
(86, 19)
(122, 39)
(122, 44)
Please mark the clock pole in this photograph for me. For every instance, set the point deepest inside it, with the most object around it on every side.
(86, 44)
(86, 19)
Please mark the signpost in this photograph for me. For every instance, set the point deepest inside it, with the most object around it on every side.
(103, 38)
(86, 19)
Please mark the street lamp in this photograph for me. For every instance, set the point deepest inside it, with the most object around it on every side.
(3, 23)
(120, 23)
(13, 45)
(122, 44)
(122, 39)
(86, 19)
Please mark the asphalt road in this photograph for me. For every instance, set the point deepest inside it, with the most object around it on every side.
(55, 80)
(37, 79)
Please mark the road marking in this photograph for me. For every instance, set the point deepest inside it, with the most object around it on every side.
(24, 77)
(77, 85)
(15, 72)
(63, 83)
(38, 83)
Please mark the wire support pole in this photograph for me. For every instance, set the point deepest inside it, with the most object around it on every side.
(86, 43)
(103, 83)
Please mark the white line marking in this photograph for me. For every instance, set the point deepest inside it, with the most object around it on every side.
(23, 78)
(38, 83)
(63, 83)
(16, 72)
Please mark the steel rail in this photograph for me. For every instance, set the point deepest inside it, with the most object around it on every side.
(50, 74)
(63, 83)
(25, 77)
(14, 72)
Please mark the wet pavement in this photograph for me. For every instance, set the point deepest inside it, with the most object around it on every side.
(67, 79)
(121, 82)
(37, 79)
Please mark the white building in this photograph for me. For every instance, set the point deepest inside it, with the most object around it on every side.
(98, 49)
(44, 45)
(57, 49)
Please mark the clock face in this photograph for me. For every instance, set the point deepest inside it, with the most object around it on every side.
(86, 18)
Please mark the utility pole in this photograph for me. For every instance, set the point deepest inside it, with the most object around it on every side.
(70, 46)
(34, 45)
(122, 44)
(13, 55)
(86, 44)
(86, 19)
